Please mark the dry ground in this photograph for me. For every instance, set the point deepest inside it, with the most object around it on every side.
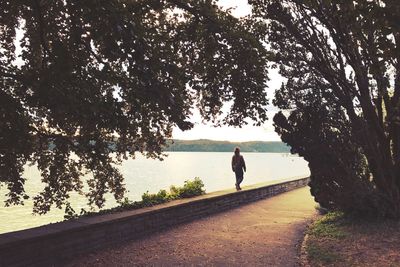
(337, 241)
(264, 233)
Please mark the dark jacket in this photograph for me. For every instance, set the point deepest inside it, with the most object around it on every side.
(238, 164)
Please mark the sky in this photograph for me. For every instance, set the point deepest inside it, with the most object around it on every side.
(246, 133)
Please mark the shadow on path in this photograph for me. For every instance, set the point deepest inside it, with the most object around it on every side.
(263, 233)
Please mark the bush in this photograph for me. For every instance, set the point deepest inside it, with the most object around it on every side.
(189, 189)
(153, 199)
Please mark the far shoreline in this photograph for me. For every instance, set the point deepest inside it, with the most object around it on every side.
(206, 145)
(263, 152)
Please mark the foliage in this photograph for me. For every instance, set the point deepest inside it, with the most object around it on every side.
(226, 146)
(340, 60)
(76, 76)
(69, 212)
(327, 226)
(189, 189)
(153, 199)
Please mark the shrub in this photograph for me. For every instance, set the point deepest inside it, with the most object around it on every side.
(153, 199)
(189, 189)
(126, 202)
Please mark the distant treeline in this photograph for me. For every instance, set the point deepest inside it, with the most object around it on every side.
(204, 145)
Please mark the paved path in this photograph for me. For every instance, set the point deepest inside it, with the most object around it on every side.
(264, 233)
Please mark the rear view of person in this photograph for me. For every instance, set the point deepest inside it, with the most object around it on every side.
(238, 166)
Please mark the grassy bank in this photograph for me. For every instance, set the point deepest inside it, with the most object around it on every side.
(336, 240)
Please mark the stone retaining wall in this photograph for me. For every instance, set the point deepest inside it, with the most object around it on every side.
(55, 243)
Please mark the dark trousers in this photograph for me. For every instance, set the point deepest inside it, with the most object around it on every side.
(239, 176)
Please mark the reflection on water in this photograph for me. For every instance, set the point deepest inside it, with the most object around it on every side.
(143, 175)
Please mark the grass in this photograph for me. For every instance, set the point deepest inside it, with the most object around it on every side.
(322, 255)
(321, 233)
(339, 240)
(328, 226)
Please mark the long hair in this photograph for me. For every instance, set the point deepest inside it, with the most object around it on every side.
(237, 150)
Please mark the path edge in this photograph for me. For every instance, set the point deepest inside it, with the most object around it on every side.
(303, 259)
(55, 243)
(303, 254)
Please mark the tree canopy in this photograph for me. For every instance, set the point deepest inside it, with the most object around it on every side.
(342, 96)
(76, 76)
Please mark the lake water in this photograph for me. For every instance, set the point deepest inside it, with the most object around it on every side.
(143, 175)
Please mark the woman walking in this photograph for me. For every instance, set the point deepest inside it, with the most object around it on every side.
(238, 166)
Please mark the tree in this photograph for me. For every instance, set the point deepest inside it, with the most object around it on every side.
(342, 92)
(85, 84)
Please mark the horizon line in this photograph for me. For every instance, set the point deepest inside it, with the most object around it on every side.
(206, 139)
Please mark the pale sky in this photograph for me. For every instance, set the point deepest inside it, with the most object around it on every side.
(246, 133)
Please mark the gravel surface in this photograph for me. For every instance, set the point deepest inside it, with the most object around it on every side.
(264, 233)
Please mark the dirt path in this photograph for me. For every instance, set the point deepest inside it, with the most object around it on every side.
(264, 233)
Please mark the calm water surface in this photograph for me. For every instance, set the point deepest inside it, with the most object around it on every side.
(143, 175)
